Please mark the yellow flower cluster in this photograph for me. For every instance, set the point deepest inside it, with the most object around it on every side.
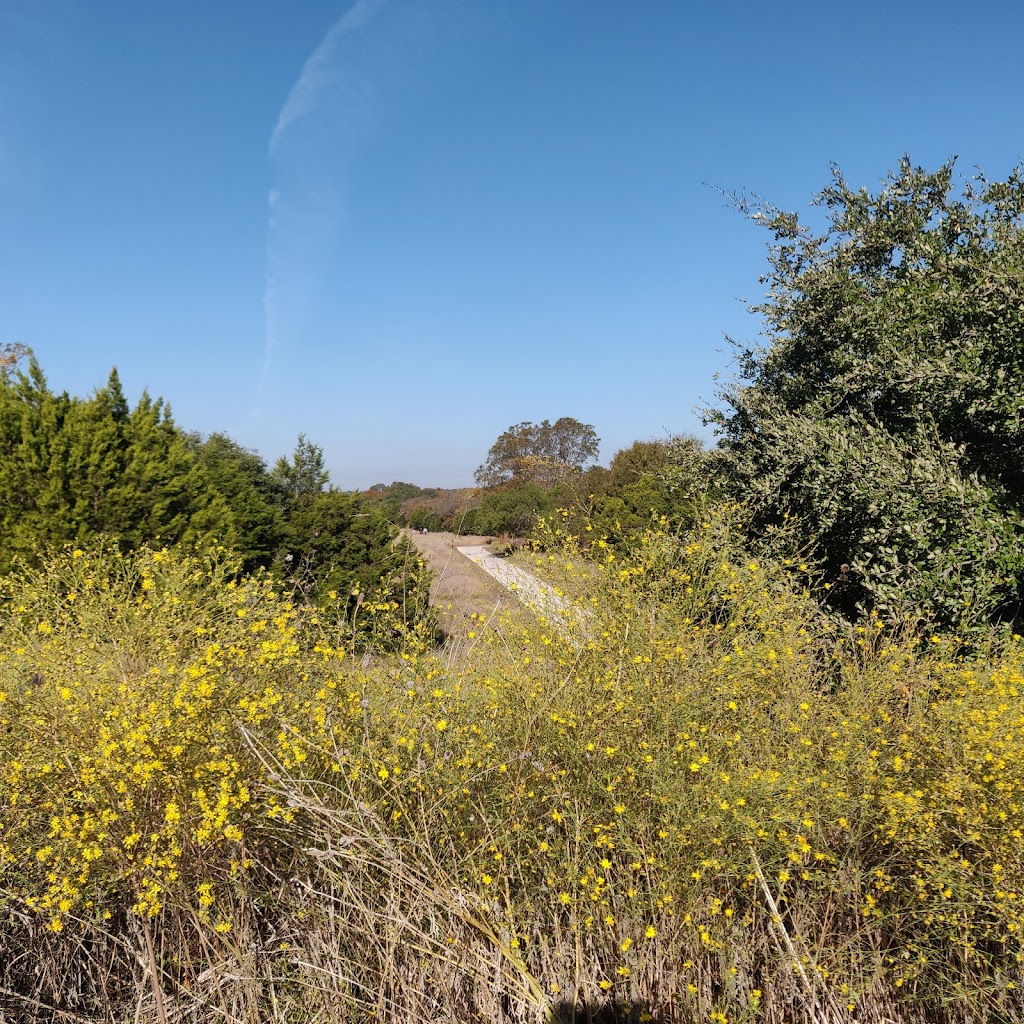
(124, 777)
(634, 790)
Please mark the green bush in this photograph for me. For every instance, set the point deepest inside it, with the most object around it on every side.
(884, 415)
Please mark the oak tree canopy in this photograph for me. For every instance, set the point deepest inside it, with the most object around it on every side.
(543, 453)
(885, 414)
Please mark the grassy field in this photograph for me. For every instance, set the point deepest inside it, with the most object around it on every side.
(711, 804)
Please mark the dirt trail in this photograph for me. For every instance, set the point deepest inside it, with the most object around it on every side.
(460, 586)
(471, 578)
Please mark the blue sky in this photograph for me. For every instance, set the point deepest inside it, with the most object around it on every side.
(401, 226)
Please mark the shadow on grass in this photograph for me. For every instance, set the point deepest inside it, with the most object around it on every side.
(603, 1013)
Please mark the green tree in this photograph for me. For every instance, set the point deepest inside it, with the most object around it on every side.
(303, 475)
(256, 499)
(545, 453)
(314, 519)
(93, 448)
(73, 468)
(639, 460)
(667, 479)
(322, 552)
(514, 508)
(885, 413)
(33, 508)
(451, 509)
(343, 552)
(167, 493)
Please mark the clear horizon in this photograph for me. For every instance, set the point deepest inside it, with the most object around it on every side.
(401, 226)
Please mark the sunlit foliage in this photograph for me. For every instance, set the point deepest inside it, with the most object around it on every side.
(679, 788)
(883, 412)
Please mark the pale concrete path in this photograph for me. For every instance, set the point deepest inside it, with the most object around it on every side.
(529, 590)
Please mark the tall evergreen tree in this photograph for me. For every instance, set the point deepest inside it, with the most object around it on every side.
(32, 420)
(93, 454)
(255, 498)
(167, 492)
(304, 475)
(71, 469)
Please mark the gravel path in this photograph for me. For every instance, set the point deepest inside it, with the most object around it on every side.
(529, 590)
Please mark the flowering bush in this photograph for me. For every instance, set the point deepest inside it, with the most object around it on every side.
(124, 780)
(678, 788)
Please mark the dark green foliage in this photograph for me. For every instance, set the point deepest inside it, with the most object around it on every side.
(514, 508)
(332, 541)
(33, 501)
(74, 468)
(165, 491)
(885, 415)
(304, 475)
(647, 483)
(256, 499)
(338, 548)
(342, 553)
(91, 452)
(452, 509)
(321, 544)
(618, 518)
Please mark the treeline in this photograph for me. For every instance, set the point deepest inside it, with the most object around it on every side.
(642, 483)
(877, 430)
(505, 510)
(73, 470)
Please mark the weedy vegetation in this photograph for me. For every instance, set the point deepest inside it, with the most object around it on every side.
(692, 796)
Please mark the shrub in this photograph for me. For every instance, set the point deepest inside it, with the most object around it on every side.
(681, 790)
(883, 414)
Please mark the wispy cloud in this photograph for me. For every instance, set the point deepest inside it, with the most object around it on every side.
(313, 131)
(321, 69)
